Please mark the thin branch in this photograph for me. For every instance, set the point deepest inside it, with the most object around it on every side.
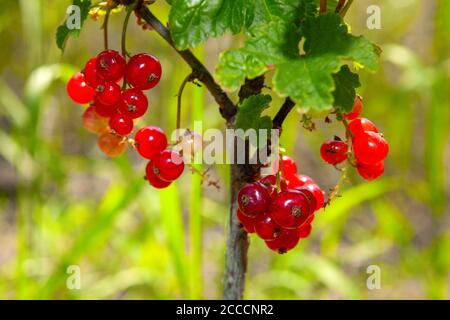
(124, 33)
(281, 115)
(345, 9)
(189, 77)
(105, 27)
(323, 6)
(339, 6)
(227, 108)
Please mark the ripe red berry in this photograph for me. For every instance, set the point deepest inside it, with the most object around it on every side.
(253, 199)
(247, 222)
(359, 126)
(92, 122)
(266, 228)
(143, 71)
(286, 241)
(121, 124)
(102, 109)
(318, 194)
(78, 90)
(310, 196)
(370, 172)
(110, 65)
(90, 74)
(169, 165)
(356, 111)
(291, 209)
(270, 180)
(298, 181)
(153, 179)
(133, 103)
(150, 141)
(290, 167)
(304, 231)
(334, 151)
(370, 147)
(108, 93)
(111, 145)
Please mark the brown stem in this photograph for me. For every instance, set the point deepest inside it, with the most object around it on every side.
(323, 6)
(105, 27)
(226, 106)
(188, 78)
(345, 9)
(281, 115)
(339, 6)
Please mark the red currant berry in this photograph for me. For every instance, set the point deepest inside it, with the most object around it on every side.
(121, 124)
(247, 223)
(153, 179)
(266, 228)
(270, 180)
(310, 196)
(111, 144)
(143, 71)
(291, 209)
(370, 172)
(310, 219)
(104, 110)
(110, 65)
(286, 241)
(92, 122)
(78, 90)
(90, 74)
(359, 126)
(150, 141)
(253, 199)
(356, 111)
(334, 151)
(318, 194)
(290, 167)
(370, 147)
(304, 231)
(108, 93)
(169, 165)
(133, 103)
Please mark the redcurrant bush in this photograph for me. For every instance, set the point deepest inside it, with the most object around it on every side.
(143, 71)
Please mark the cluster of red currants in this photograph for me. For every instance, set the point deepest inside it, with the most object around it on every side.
(114, 109)
(369, 147)
(280, 210)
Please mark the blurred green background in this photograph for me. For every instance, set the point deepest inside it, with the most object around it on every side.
(64, 203)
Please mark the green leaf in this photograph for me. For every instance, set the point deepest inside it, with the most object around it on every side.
(249, 114)
(344, 93)
(63, 32)
(309, 79)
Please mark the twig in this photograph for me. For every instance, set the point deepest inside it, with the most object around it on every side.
(105, 27)
(124, 32)
(283, 113)
(345, 9)
(188, 78)
(227, 108)
(339, 6)
(323, 6)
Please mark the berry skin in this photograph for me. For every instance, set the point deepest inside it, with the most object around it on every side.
(108, 93)
(78, 90)
(143, 71)
(150, 141)
(111, 145)
(370, 148)
(318, 194)
(169, 165)
(370, 172)
(266, 228)
(253, 199)
(291, 209)
(110, 65)
(310, 196)
(304, 231)
(290, 167)
(92, 122)
(247, 223)
(104, 110)
(356, 111)
(133, 103)
(298, 181)
(90, 74)
(153, 179)
(359, 126)
(286, 241)
(121, 124)
(334, 151)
